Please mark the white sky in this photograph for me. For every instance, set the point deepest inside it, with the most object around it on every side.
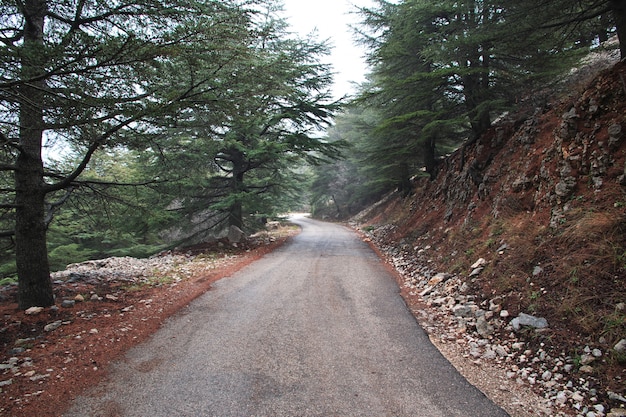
(331, 19)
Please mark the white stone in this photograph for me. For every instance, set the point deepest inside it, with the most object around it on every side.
(616, 397)
(501, 351)
(586, 369)
(32, 311)
(479, 263)
(561, 398)
(489, 354)
(53, 326)
(527, 320)
(586, 359)
(476, 272)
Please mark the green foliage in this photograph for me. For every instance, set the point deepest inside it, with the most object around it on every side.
(72, 253)
(168, 114)
(341, 188)
(441, 71)
(244, 164)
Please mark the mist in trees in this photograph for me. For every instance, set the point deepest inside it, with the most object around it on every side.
(442, 71)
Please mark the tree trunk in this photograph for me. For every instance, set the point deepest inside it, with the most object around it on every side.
(31, 254)
(404, 181)
(430, 157)
(235, 214)
(619, 14)
(475, 93)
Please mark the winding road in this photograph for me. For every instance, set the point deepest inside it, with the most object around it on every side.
(316, 328)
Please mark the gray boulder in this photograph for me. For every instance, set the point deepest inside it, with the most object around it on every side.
(527, 320)
(235, 234)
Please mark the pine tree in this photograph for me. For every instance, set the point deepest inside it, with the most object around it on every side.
(81, 74)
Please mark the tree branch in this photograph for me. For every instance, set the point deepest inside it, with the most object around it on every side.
(7, 233)
(7, 167)
(118, 184)
(52, 208)
(106, 135)
(581, 17)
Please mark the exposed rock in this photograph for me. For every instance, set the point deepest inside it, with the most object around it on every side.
(565, 187)
(586, 359)
(483, 327)
(489, 354)
(68, 303)
(440, 277)
(462, 311)
(615, 133)
(235, 234)
(32, 311)
(479, 263)
(620, 346)
(53, 326)
(616, 397)
(21, 342)
(476, 272)
(527, 320)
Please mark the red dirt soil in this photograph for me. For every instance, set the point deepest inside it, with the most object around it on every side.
(59, 365)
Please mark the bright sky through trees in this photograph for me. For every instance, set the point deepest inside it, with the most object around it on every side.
(332, 19)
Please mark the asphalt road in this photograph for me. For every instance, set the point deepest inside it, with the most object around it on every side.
(316, 328)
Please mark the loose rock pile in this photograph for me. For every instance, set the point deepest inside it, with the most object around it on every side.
(176, 265)
(487, 332)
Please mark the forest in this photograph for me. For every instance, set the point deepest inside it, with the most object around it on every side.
(131, 126)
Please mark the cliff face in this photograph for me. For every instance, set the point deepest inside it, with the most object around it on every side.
(541, 198)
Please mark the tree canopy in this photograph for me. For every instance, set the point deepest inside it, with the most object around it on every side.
(212, 88)
(442, 71)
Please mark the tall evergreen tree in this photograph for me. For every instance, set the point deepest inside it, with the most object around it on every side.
(80, 73)
(277, 100)
(441, 70)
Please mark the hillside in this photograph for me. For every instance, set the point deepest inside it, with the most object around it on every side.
(529, 219)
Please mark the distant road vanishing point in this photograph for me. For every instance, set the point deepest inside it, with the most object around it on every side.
(316, 328)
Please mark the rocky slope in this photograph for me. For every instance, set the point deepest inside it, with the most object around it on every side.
(517, 251)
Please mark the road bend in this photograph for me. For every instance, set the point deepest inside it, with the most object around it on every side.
(316, 328)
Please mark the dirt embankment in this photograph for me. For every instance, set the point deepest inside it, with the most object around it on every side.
(530, 219)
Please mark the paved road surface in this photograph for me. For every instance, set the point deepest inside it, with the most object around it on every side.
(316, 328)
